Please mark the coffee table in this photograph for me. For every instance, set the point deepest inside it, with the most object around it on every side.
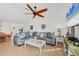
(36, 43)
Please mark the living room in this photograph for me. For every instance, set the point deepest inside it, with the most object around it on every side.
(39, 36)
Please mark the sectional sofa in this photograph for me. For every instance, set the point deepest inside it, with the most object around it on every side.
(20, 38)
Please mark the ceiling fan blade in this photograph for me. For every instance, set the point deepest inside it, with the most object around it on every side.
(30, 8)
(27, 9)
(40, 15)
(42, 10)
(28, 13)
(34, 16)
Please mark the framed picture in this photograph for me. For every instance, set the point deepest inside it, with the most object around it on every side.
(31, 27)
(43, 26)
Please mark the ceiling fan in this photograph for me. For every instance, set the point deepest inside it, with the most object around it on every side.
(36, 13)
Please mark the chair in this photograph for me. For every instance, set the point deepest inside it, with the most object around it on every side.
(19, 38)
(50, 38)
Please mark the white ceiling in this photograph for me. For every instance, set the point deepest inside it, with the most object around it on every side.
(13, 12)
